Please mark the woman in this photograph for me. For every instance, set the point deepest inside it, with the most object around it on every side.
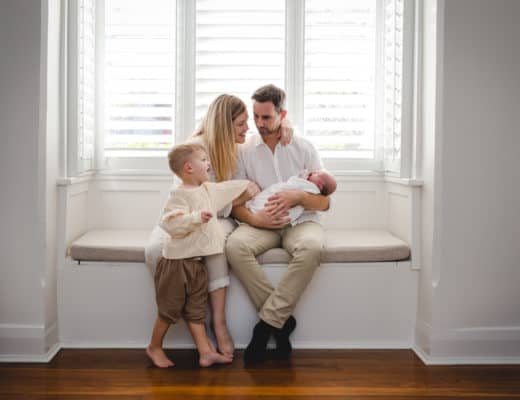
(222, 129)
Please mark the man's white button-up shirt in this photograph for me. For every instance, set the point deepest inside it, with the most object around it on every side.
(258, 163)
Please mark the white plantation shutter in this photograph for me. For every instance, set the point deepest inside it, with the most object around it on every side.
(340, 77)
(86, 85)
(240, 46)
(139, 74)
(393, 83)
(346, 66)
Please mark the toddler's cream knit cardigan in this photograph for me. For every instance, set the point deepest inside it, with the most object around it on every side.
(181, 218)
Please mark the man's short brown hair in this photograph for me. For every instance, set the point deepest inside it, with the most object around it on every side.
(181, 154)
(273, 94)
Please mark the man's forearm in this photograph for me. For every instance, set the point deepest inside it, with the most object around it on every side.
(314, 202)
(243, 214)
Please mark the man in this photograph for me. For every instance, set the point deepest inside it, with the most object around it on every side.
(263, 160)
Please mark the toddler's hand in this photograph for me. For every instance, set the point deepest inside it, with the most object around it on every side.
(205, 216)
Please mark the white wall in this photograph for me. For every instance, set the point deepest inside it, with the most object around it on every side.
(27, 293)
(21, 305)
(473, 309)
(431, 162)
(51, 112)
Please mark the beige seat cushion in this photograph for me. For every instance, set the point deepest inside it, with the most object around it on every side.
(110, 245)
(341, 245)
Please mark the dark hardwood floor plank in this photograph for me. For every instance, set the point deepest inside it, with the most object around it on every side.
(310, 374)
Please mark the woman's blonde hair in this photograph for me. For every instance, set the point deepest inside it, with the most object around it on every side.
(218, 134)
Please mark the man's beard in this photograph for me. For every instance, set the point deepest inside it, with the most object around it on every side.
(267, 132)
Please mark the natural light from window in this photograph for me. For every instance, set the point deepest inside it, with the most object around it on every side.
(139, 74)
(149, 70)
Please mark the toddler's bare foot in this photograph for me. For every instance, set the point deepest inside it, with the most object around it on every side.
(210, 358)
(224, 339)
(158, 357)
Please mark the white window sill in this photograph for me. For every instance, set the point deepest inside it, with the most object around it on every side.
(166, 175)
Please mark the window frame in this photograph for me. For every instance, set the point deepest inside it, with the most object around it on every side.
(75, 163)
(153, 161)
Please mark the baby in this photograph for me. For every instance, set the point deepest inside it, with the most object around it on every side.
(316, 182)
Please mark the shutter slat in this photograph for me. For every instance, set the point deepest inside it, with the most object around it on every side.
(393, 53)
(87, 83)
(240, 46)
(139, 73)
(339, 76)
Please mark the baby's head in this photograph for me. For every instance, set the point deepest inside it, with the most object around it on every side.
(189, 162)
(323, 180)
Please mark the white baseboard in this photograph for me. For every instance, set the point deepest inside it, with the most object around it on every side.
(429, 360)
(22, 339)
(241, 346)
(51, 335)
(28, 342)
(426, 359)
(31, 358)
(120, 345)
(466, 346)
(22, 331)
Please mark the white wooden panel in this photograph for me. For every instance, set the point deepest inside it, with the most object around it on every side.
(77, 213)
(364, 305)
(370, 305)
(128, 209)
(355, 205)
(398, 209)
(398, 206)
(122, 312)
(135, 203)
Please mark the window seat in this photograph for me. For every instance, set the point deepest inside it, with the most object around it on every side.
(341, 246)
(368, 277)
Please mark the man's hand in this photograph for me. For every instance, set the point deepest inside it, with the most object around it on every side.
(205, 216)
(290, 198)
(270, 220)
(283, 201)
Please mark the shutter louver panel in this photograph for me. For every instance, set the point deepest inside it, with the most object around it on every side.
(86, 84)
(393, 82)
(343, 61)
(240, 46)
(139, 74)
(340, 77)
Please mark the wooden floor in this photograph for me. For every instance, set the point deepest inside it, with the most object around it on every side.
(311, 374)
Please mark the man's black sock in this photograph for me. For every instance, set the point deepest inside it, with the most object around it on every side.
(255, 351)
(281, 336)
